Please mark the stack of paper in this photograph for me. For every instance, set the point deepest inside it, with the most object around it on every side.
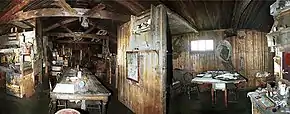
(64, 88)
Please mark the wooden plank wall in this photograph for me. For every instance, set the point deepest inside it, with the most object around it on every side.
(148, 95)
(254, 50)
(197, 62)
(250, 53)
(143, 97)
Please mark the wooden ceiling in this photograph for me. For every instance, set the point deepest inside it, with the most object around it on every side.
(202, 14)
(239, 14)
(216, 14)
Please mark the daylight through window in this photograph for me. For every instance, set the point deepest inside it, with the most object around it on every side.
(202, 45)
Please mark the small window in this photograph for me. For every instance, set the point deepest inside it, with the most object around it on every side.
(202, 45)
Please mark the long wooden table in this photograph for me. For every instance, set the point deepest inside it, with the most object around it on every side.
(95, 91)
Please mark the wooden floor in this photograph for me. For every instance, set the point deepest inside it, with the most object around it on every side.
(38, 104)
(181, 104)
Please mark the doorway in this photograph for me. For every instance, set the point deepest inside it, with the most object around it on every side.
(286, 65)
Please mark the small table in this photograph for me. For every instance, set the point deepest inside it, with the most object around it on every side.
(217, 85)
(261, 104)
(95, 92)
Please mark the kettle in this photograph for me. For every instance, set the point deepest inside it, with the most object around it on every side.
(283, 89)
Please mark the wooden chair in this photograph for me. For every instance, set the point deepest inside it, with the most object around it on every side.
(188, 86)
(94, 105)
(182, 83)
(233, 92)
(221, 87)
(176, 86)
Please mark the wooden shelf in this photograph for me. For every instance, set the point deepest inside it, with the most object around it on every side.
(26, 54)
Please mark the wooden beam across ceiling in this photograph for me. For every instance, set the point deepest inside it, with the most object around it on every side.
(82, 35)
(67, 7)
(31, 22)
(63, 22)
(36, 4)
(67, 29)
(95, 9)
(21, 24)
(14, 9)
(70, 35)
(89, 30)
(133, 6)
(60, 12)
(76, 42)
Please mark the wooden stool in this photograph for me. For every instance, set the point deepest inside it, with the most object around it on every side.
(219, 86)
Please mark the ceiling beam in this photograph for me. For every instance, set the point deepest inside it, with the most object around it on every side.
(181, 22)
(77, 42)
(67, 29)
(21, 24)
(14, 9)
(63, 22)
(67, 7)
(93, 36)
(31, 22)
(134, 7)
(95, 9)
(82, 35)
(36, 4)
(59, 12)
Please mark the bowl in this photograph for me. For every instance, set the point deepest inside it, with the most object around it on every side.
(67, 111)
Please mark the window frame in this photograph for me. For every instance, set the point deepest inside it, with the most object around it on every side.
(202, 51)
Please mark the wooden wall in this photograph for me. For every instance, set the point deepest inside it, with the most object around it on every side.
(147, 96)
(250, 53)
(143, 97)
(197, 62)
(256, 55)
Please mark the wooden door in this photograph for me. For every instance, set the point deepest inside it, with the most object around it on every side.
(286, 65)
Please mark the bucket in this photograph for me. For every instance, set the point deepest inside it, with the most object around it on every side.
(67, 111)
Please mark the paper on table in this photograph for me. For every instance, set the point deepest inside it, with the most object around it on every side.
(64, 88)
(200, 75)
(207, 75)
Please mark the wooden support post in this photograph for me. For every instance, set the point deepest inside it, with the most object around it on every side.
(226, 97)
(39, 40)
(212, 96)
(104, 107)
